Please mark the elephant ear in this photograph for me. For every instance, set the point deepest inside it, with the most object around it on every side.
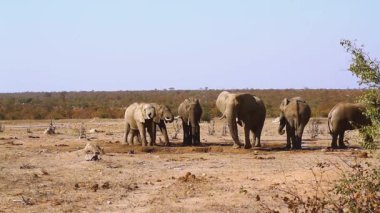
(140, 114)
(159, 111)
(284, 103)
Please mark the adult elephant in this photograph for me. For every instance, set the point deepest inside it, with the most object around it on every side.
(345, 116)
(138, 116)
(190, 112)
(163, 115)
(243, 109)
(295, 114)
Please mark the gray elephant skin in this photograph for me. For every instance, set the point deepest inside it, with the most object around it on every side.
(138, 116)
(295, 114)
(247, 111)
(190, 112)
(345, 116)
(163, 115)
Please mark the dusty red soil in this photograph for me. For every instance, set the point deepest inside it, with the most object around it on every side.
(49, 173)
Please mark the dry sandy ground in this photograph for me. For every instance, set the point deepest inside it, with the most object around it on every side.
(40, 173)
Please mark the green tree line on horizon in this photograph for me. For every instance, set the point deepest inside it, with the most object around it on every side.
(83, 105)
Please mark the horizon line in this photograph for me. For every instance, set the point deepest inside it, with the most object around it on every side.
(172, 89)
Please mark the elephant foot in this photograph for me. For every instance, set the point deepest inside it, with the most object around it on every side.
(167, 144)
(247, 146)
(288, 147)
(342, 146)
(296, 148)
(258, 145)
(197, 144)
(236, 146)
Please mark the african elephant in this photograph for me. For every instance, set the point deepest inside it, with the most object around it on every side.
(243, 109)
(163, 114)
(138, 116)
(295, 114)
(190, 111)
(345, 116)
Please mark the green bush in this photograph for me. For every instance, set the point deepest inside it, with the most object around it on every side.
(368, 72)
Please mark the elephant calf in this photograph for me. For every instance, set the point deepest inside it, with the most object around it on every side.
(138, 116)
(190, 111)
(345, 116)
(243, 109)
(295, 114)
(163, 114)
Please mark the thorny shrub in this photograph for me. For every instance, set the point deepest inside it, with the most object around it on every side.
(357, 190)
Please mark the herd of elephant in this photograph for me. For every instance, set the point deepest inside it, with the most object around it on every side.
(245, 110)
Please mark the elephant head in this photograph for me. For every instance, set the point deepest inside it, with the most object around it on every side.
(283, 107)
(163, 112)
(228, 106)
(145, 112)
(191, 108)
(282, 118)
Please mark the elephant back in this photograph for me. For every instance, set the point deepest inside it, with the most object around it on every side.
(254, 102)
(349, 112)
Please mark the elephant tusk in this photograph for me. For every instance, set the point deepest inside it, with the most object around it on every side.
(177, 117)
(222, 117)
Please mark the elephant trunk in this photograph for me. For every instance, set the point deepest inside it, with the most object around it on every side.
(194, 128)
(231, 116)
(282, 125)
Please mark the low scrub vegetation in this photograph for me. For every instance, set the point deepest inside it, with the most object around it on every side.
(356, 191)
(80, 105)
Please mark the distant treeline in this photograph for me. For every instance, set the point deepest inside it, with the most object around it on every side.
(60, 105)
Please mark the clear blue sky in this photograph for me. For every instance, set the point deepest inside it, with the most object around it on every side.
(134, 45)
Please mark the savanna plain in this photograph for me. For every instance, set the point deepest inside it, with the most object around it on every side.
(50, 173)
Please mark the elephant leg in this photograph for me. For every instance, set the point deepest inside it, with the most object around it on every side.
(341, 141)
(199, 134)
(141, 127)
(164, 132)
(195, 135)
(293, 138)
(299, 133)
(253, 141)
(334, 141)
(247, 142)
(186, 134)
(126, 133)
(190, 136)
(151, 127)
(288, 137)
(288, 141)
(257, 138)
(133, 135)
